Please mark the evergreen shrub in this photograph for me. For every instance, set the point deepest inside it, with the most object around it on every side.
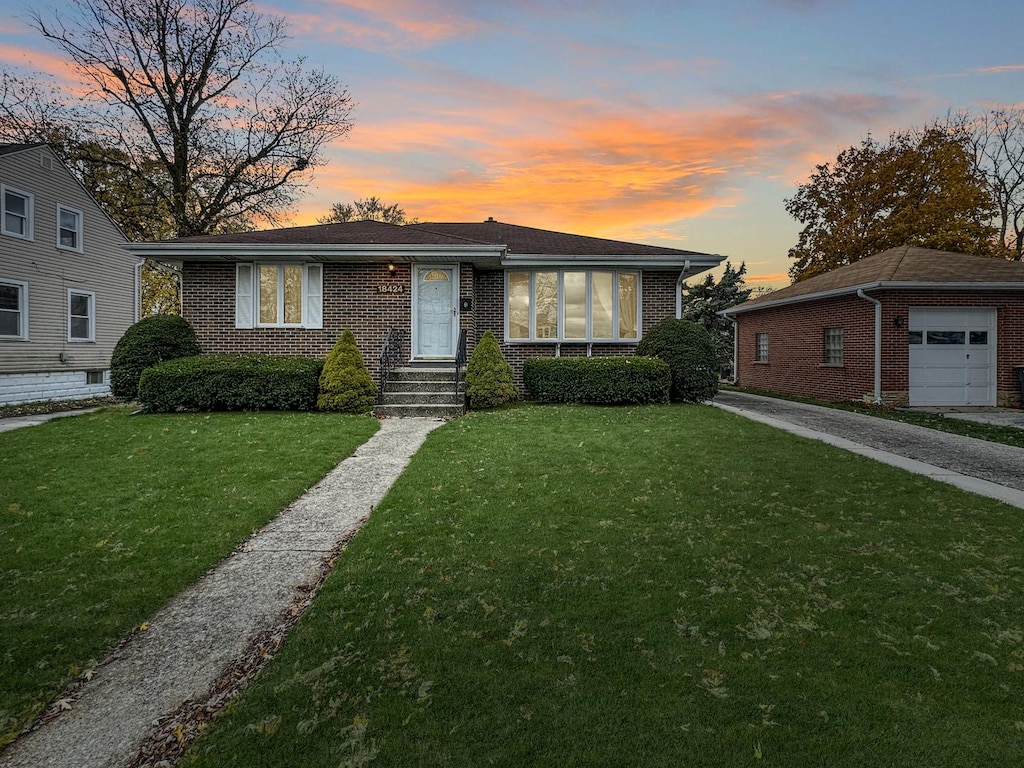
(146, 343)
(231, 383)
(690, 353)
(488, 376)
(597, 380)
(345, 384)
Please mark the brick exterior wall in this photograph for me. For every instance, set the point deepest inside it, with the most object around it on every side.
(796, 351)
(351, 300)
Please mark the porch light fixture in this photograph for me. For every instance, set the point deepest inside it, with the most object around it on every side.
(898, 321)
(391, 267)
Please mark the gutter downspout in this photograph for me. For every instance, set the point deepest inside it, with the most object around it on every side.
(735, 349)
(138, 290)
(878, 343)
(679, 289)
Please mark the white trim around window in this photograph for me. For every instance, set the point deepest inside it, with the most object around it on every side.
(592, 306)
(13, 309)
(81, 315)
(16, 212)
(271, 295)
(69, 228)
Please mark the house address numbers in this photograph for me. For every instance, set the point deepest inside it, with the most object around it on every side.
(391, 288)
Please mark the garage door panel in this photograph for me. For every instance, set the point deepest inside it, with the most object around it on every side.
(952, 361)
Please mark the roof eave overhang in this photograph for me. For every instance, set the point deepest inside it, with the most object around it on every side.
(876, 286)
(693, 263)
(316, 252)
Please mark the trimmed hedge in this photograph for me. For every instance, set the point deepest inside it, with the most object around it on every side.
(690, 353)
(597, 380)
(488, 376)
(146, 343)
(231, 383)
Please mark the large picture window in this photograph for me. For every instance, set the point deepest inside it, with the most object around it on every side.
(278, 295)
(568, 305)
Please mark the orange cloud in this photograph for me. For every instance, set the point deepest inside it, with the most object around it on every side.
(374, 24)
(577, 165)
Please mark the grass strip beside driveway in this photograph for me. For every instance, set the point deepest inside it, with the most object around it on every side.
(104, 517)
(657, 586)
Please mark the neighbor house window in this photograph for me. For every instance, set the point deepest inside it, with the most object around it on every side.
(69, 228)
(81, 316)
(833, 346)
(13, 309)
(17, 213)
(761, 354)
(278, 295)
(585, 305)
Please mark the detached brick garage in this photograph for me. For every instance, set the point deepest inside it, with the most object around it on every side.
(908, 326)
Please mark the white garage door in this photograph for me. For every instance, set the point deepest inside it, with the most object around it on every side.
(952, 356)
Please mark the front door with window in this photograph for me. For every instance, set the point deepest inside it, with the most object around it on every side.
(435, 313)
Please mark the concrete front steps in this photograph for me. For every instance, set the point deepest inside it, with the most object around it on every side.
(422, 391)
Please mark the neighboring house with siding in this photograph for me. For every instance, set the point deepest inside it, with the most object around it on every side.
(908, 326)
(68, 286)
(542, 293)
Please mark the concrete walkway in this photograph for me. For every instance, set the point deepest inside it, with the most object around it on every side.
(16, 422)
(189, 644)
(979, 466)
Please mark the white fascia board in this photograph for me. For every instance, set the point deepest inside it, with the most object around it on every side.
(235, 252)
(876, 286)
(696, 262)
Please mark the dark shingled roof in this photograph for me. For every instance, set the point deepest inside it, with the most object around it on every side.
(527, 240)
(347, 233)
(906, 264)
(519, 240)
(9, 149)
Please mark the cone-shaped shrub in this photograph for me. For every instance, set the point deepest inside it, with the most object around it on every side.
(488, 376)
(150, 341)
(690, 353)
(345, 384)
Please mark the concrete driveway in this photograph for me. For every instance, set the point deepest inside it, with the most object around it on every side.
(992, 469)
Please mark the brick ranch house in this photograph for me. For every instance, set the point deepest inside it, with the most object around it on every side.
(292, 291)
(908, 326)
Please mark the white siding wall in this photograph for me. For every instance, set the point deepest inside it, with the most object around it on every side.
(103, 268)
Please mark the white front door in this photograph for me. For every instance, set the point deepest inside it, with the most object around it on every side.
(435, 313)
(952, 357)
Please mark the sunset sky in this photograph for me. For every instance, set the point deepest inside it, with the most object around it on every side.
(683, 123)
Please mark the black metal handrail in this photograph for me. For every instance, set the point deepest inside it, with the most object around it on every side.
(460, 359)
(390, 355)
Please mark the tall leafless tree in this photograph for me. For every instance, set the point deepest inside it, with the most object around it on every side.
(997, 141)
(194, 99)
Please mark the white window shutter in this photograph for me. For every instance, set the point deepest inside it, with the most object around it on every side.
(244, 305)
(313, 311)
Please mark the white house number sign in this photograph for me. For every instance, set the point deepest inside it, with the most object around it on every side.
(391, 288)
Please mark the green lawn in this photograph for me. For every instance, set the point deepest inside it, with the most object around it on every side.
(660, 586)
(106, 516)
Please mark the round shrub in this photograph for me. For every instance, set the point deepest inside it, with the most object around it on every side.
(690, 353)
(345, 384)
(147, 343)
(488, 377)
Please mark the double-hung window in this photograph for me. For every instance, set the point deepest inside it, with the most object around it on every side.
(69, 228)
(13, 309)
(833, 344)
(16, 216)
(279, 295)
(567, 305)
(81, 316)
